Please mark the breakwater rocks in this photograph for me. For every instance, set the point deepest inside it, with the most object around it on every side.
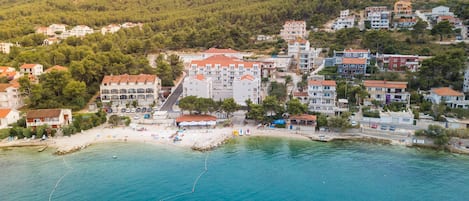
(69, 150)
(210, 145)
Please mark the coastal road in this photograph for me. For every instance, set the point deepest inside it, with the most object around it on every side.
(168, 105)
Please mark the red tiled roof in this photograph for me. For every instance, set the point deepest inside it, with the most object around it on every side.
(298, 94)
(43, 113)
(223, 61)
(195, 118)
(15, 83)
(28, 65)
(305, 117)
(446, 91)
(247, 77)
(220, 51)
(4, 112)
(125, 78)
(354, 60)
(385, 84)
(322, 82)
(3, 87)
(57, 68)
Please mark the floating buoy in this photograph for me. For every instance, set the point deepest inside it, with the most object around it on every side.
(114, 157)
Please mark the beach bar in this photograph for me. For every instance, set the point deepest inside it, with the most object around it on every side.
(196, 121)
(303, 122)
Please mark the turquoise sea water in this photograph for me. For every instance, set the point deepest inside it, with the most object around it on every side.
(245, 169)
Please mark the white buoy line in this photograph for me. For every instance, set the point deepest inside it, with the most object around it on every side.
(60, 179)
(194, 185)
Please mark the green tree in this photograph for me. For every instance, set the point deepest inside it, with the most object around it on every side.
(229, 106)
(338, 123)
(75, 93)
(164, 72)
(257, 112)
(418, 30)
(443, 28)
(271, 104)
(295, 107)
(188, 103)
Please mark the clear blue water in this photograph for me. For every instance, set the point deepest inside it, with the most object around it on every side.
(246, 169)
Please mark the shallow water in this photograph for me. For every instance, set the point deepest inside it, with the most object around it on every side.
(247, 169)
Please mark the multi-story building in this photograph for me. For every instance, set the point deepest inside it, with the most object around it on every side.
(352, 67)
(112, 28)
(8, 116)
(124, 89)
(405, 22)
(351, 53)
(397, 62)
(198, 85)
(450, 97)
(32, 70)
(226, 74)
(10, 96)
(440, 11)
(344, 21)
(293, 30)
(303, 55)
(379, 20)
(55, 118)
(386, 92)
(322, 96)
(402, 8)
(374, 9)
(465, 87)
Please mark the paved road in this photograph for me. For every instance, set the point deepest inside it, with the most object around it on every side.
(168, 105)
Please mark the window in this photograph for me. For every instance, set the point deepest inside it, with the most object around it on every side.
(123, 91)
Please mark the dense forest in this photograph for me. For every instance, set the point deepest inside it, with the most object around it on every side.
(171, 24)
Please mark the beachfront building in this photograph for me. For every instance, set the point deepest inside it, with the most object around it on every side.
(344, 21)
(303, 122)
(10, 96)
(227, 74)
(398, 62)
(350, 68)
(112, 28)
(302, 53)
(322, 96)
(33, 70)
(451, 97)
(465, 87)
(293, 30)
(396, 118)
(55, 118)
(196, 121)
(124, 89)
(197, 85)
(8, 116)
(386, 92)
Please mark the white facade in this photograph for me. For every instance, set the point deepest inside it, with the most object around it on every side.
(56, 29)
(302, 54)
(124, 89)
(405, 117)
(224, 71)
(246, 87)
(293, 30)
(81, 30)
(450, 97)
(5, 47)
(50, 41)
(344, 21)
(322, 96)
(379, 20)
(10, 97)
(55, 118)
(32, 69)
(466, 81)
(441, 10)
(8, 116)
(197, 85)
(112, 28)
(386, 92)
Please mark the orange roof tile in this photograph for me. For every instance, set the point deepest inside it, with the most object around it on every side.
(196, 118)
(305, 117)
(300, 94)
(354, 60)
(57, 68)
(4, 112)
(322, 82)
(223, 61)
(15, 83)
(385, 84)
(200, 77)
(42, 113)
(247, 77)
(446, 91)
(125, 78)
(28, 65)
(3, 87)
(220, 51)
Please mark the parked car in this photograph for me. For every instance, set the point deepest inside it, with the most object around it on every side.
(138, 110)
(384, 127)
(144, 110)
(374, 126)
(392, 128)
(123, 110)
(149, 109)
(128, 110)
(354, 123)
(132, 110)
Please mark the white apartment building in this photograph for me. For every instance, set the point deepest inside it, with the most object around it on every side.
(379, 20)
(465, 87)
(56, 29)
(5, 47)
(32, 69)
(440, 11)
(81, 30)
(124, 89)
(293, 30)
(386, 92)
(8, 116)
(246, 87)
(303, 55)
(372, 9)
(10, 96)
(226, 74)
(322, 96)
(197, 85)
(344, 21)
(55, 118)
(112, 28)
(450, 97)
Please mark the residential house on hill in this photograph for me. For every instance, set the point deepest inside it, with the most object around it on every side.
(397, 62)
(31, 69)
(352, 67)
(112, 28)
(124, 89)
(302, 53)
(345, 20)
(55, 118)
(5, 47)
(451, 97)
(10, 96)
(7, 117)
(293, 29)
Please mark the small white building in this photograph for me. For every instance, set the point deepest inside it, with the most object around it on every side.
(293, 29)
(50, 41)
(56, 29)
(454, 123)
(9, 72)
(197, 85)
(405, 117)
(8, 116)
(246, 87)
(55, 118)
(344, 21)
(32, 69)
(450, 97)
(81, 30)
(5, 47)
(440, 11)
(112, 28)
